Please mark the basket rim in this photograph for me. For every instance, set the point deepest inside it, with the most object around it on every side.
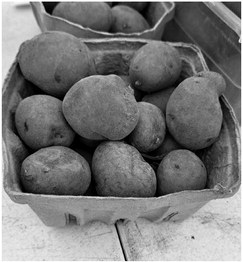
(107, 34)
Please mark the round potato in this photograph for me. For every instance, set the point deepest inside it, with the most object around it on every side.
(193, 113)
(100, 108)
(149, 133)
(55, 170)
(127, 20)
(40, 122)
(180, 170)
(119, 170)
(54, 61)
(155, 66)
(94, 15)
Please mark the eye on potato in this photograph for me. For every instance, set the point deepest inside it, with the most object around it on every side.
(55, 170)
(40, 122)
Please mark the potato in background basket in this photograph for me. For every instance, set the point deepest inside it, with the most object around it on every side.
(40, 122)
(54, 61)
(120, 170)
(127, 20)
(55, 170)
(94, 15)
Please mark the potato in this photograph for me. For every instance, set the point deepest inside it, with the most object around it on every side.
(100, 108)
(180, 170)
(155, 66)
(217, 80)
(159, 98)
(193, 113)
(137, 93)
(54, 61)
(149, 133)
(94, 15)
(127, 20)
(119, 170)
(55, 170)
(169, 144)
(139, 6)
(40, 122)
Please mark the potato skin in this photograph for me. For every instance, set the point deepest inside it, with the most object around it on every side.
(155, 66)
(160, 98)
(150, 131)
(94, 15)
(193, 113)
(40, 122)
(54, 61)
(139, 6)
(217, 80)
(100, 108)
(127, 20)
(180, 170)
(119, 170)
(137, 93)
(169, 144)
(55, 170)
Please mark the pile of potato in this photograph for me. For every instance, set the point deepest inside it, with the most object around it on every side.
(78, 109)
(122, 17)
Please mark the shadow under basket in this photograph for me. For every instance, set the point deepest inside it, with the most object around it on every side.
(157, 15)
(222, 159)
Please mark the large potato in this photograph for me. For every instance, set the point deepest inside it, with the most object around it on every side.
(55, 170)
(193, 113)
(155, 66)
(127, 20)
(54, 61)
(119, 170)
(101, 107)
(40, 122)
(149, 133)
(180, 170)
(94, 15)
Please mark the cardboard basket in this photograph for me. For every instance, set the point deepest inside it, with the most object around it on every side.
(222, 159)
(157, 14)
